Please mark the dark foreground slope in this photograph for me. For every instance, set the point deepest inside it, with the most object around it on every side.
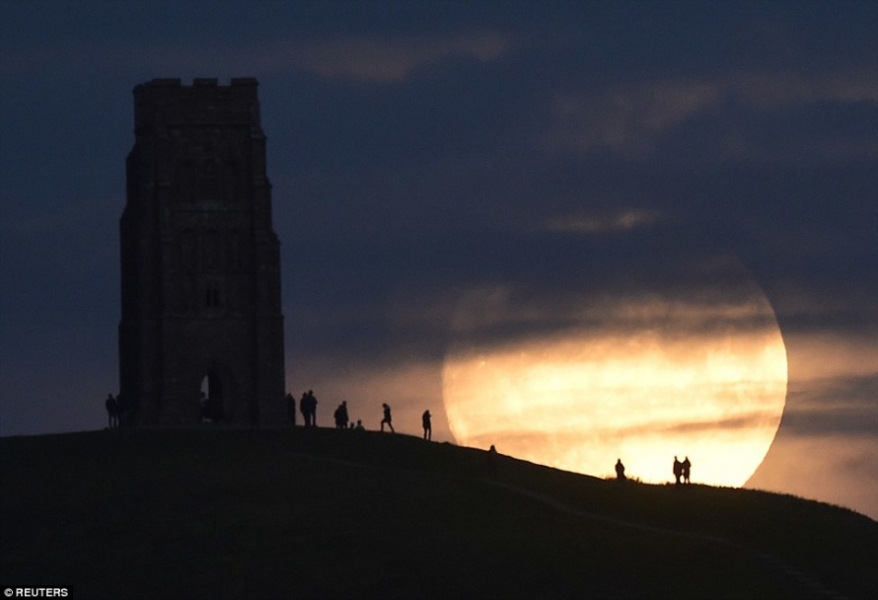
(324, 514)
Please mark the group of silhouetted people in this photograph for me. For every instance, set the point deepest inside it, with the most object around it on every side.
(115, 410)
(211, 412)
(681, 470)
(341, 416)
(308, 408)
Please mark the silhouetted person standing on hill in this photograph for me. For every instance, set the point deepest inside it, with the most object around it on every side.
(678, 470)
(620, 470)
(308, 407)
(303, 408)
(312, 407)
(492, 459)
(341, 416)
(684, 469)
(428, 426)
(387, 419)
(291, 409)
(112, 411)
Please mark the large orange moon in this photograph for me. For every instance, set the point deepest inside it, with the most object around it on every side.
(639, 378)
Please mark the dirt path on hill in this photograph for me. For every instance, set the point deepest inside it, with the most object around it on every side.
(817, 589)
(814, 588)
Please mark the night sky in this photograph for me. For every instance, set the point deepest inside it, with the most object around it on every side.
(419, 151)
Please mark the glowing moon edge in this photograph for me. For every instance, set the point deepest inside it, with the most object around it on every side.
(581, 398)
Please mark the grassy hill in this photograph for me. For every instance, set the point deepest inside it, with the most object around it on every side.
(342, 514)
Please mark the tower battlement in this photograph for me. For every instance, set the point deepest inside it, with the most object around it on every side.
(169, 101)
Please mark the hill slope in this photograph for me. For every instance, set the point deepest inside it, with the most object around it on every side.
(323, 513)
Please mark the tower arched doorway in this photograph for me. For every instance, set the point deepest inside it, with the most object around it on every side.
(213, 401)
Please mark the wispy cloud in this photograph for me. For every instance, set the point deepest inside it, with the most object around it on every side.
(754, 419)
(370, 59)
(841, 470)
(625, 118)
(352, 58)
(597, 223)
(770, 91)
(629, 119)
(825, 357)
(833, 384)
(707, 303)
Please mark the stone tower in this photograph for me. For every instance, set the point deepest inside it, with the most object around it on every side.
(201, 335)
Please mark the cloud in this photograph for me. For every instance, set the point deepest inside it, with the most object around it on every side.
(771, 91)
(351, 58)
(833, 385)
(616, 221)
(381, 60)
(644, 427)
(630, 119)
(704, 297)
(625, 118)
(821, 356)
(841, 470)
(831, 406)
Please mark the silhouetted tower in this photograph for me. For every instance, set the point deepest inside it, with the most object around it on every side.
(201, 306)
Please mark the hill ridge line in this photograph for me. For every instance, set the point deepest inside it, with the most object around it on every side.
(772, 561)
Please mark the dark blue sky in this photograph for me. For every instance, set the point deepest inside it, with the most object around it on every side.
(420, 149)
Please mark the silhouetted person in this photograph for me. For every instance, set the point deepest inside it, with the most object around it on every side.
(112, 411)
(684, 469)
(428, 426)
(341, 416)
(291, 409)
(620, 470)
(303, 408)
(678, 470)
(387, 419)
(493, 459)
(312, 407)
(308, 407)
(359, 426)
